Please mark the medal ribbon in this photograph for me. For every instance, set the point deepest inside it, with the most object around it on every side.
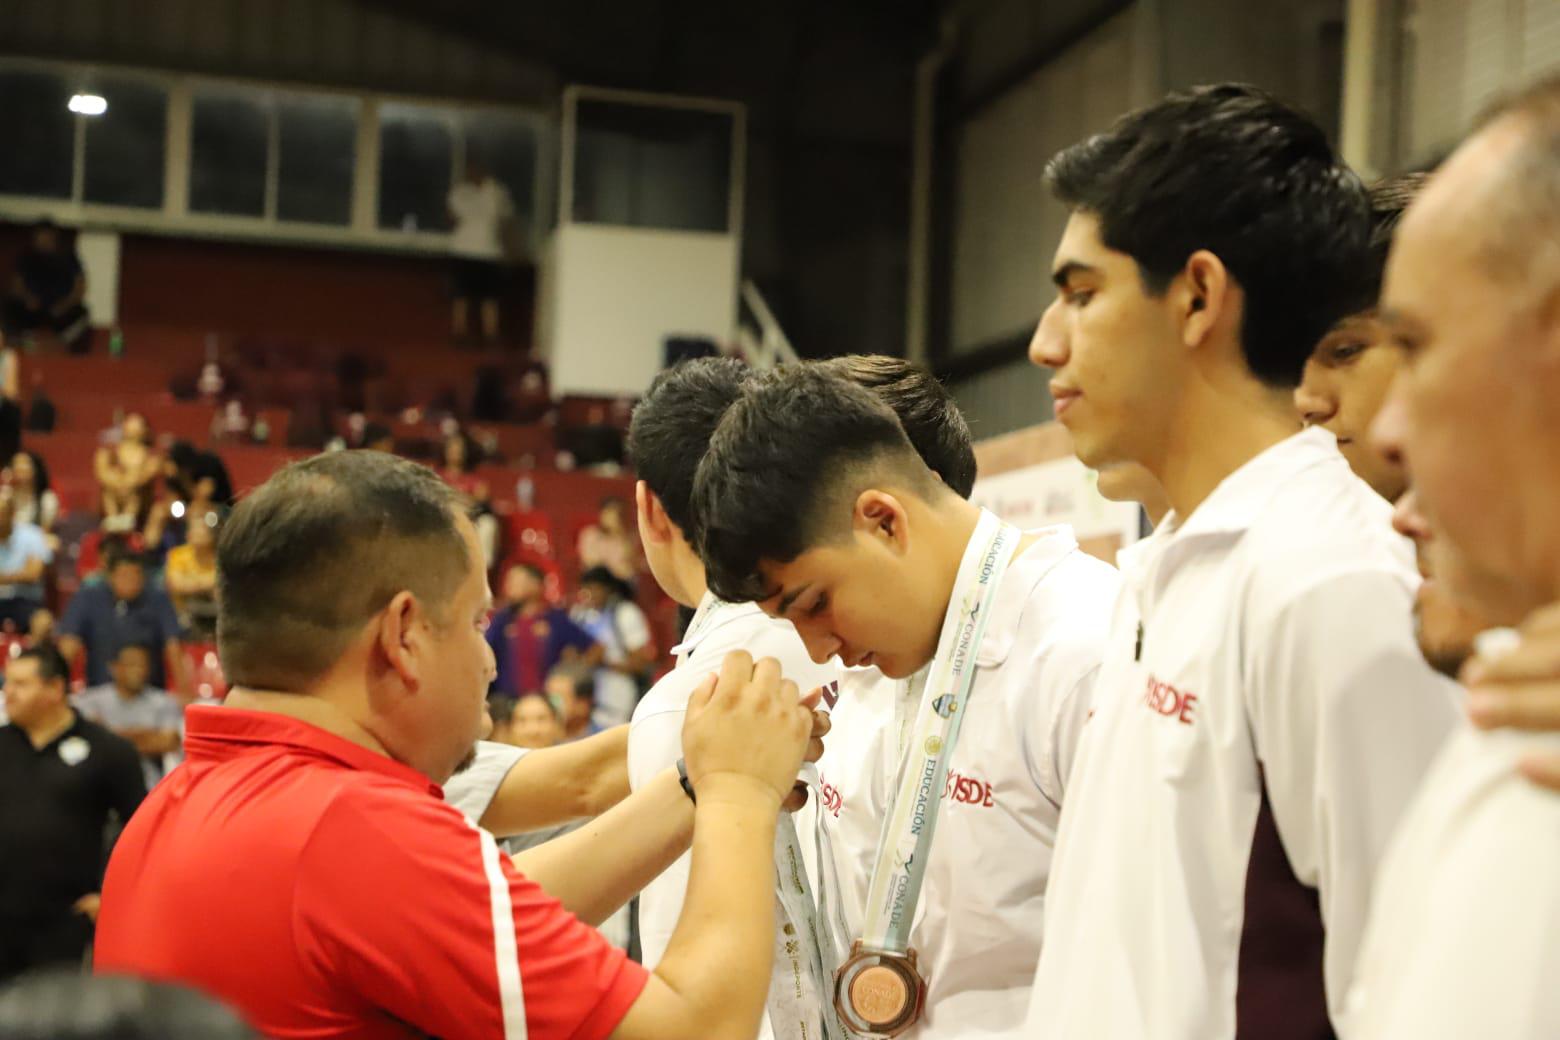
(906, 839)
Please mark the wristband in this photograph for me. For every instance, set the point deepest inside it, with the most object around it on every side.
(682, 778)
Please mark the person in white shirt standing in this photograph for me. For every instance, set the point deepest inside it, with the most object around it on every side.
(813, 503)
(670, 431)
(481, 211)
(670, 428)
(1263, 714)
(1464, 938)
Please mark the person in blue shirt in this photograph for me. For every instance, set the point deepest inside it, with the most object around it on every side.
(24, 553)
(103, 617)
(530, 637)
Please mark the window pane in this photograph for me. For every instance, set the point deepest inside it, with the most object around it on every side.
(39, 134)
(415, 146)
(229, 138)
(505, 142)
(125, 146)
(318, 141)
(643, 166)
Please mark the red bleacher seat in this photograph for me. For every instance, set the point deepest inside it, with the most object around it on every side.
(205, 671)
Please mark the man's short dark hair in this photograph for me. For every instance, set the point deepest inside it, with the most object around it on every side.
(672, 425)
(122, 554)
(793, 451)
(579, 680)
(530, 568)
(500, 708)
(1389, 200)
(925, 408)
(1232, 170)
(604, 577)
(312, 554)
(51, 663)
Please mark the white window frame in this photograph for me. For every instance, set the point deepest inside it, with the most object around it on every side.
(175, 217)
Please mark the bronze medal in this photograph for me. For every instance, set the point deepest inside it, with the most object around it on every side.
(878, 993)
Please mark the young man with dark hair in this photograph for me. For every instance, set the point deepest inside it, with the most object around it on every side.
(353, 602)
(63, 775)
(1348, 373)
(1462, 936)
(670, 432)
(1262, 714)
(1345, 385)
(812, 502)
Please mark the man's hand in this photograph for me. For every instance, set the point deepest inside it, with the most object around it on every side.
(88, 906)
(1520, 689)
(748, 725)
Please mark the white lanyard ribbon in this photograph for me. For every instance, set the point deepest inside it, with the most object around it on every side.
(800, 993)
(906, 839)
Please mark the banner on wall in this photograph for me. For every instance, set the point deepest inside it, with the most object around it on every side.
(1032, 479)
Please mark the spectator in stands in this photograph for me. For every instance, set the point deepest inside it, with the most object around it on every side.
(102, 617)
(610, 543)
(74, 773)
(378, 437)
(190, 575)
(24, 554)
(608, 612)
(35, 502)
(40, 627)
(459, 460)
(530, 637)
(574, 692)
(126, 470)
(148, 717)
(49, 290)
(197, 478)
(482, 212)
(530, 722)
(64, 1004)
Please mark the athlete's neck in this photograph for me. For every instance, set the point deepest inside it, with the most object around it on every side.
(954, 520)
(1222, 424)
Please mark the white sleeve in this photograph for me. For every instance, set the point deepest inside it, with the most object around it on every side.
(1347, 719)
(655, 744)
(632, 627)
(1060, 741)
(473, 789)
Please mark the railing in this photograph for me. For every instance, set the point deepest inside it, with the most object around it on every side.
(760, 339)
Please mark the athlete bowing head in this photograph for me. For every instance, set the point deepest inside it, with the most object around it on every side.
(815, 505)
(813, 502)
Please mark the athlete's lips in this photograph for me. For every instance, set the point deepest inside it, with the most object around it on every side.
(1063, 396)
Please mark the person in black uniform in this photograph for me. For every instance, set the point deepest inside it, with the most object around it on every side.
(63, 776)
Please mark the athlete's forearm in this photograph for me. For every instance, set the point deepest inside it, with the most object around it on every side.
(553, 785)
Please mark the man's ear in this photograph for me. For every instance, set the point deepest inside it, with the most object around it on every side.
(654, 525)
(881, 517)
(1203, 297)
(398, 640)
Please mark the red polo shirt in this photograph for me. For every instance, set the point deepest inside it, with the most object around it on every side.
(326, 891)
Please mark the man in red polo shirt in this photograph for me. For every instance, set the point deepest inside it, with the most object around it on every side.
(302, 867)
